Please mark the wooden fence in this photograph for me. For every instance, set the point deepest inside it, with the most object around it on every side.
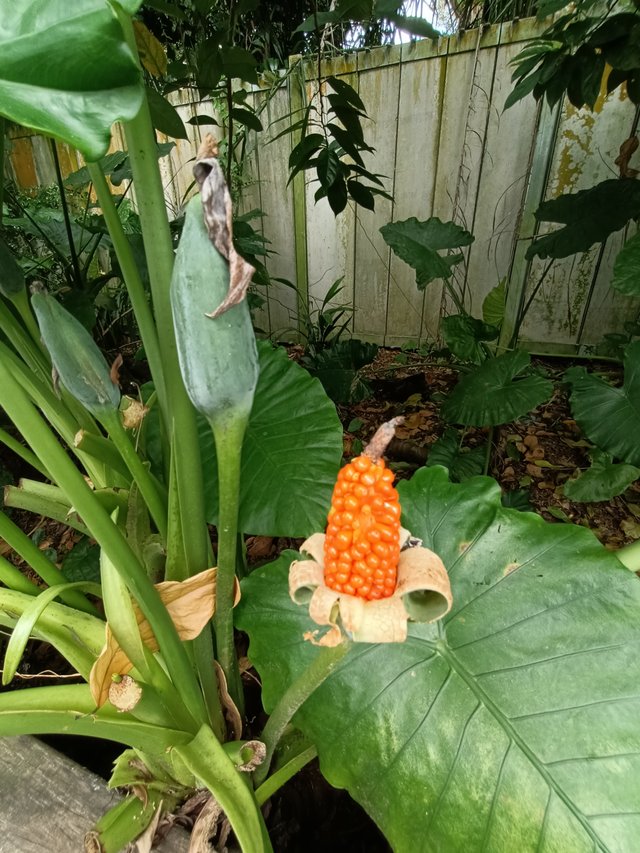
(449, 150)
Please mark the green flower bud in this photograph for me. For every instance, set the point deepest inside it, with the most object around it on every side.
(79, 363)
(218, 356)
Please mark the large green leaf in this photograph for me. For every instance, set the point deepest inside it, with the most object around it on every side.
(626, 270)
(511, 727)
(66, 70)
(588, 216)
(496, 392)
(418, 243)
(602, 481)
(291, 452)
(610, 416)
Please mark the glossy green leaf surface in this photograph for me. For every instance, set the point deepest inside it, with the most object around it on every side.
(291, 453)
(602, 481)
(66, 70)
(461, 462)
(510, 727)
(608, 415)
(496, 392)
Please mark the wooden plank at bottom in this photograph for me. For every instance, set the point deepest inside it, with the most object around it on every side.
(49, 802)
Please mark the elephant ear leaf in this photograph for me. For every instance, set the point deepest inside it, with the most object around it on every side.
(66, 70)
(496, 392)
(609, 415)
(513, 725)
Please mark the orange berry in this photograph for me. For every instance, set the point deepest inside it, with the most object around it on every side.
(361, 548)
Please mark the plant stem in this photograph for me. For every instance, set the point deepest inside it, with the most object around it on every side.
(22, 497)
(149, 490)
(629, 556)
(108, 536)
(283, 774)
(208, 761)
(323, 665)
(132, 280)
(228, 434)
(65, 213)
(13, 578)
(41, 564)
(23, 452)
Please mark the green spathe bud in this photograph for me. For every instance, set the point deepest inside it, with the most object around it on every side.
(218, 356)
(11, 275)
(80, 365)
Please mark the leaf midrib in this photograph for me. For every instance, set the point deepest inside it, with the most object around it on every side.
(449, 657)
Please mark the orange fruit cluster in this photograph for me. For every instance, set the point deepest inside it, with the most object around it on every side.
(362, 544)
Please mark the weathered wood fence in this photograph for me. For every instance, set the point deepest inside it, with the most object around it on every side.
(448, 150)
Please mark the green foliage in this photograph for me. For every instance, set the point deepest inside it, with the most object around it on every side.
(626, 270)
(572, 54)
(75, 93)
(493, 304)
(500, 390)
(82, 563)
(419, 244)
(336, 152)
(461, 462)
(337, 367)
(589, 217)
(515, 719)
(290, 456)
(602, 481)
(607, 415)
(465, 337)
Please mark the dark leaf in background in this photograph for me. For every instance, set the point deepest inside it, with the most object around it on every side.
(165, 116)
(418, 243)
(589, 216)
(603, 481)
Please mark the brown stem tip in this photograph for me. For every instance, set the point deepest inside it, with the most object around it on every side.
(380, 441)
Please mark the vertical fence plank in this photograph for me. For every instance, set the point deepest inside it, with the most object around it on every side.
(380, 93)
(419, 113)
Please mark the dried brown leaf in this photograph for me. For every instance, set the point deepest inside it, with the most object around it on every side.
(217, 209)
(627, 150)
(191, 604)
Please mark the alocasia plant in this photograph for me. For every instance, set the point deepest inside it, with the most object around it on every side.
(510, 725)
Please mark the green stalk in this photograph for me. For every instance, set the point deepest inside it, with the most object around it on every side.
(14, 580)
(180, 415)
(108, 536)
(283, 774)
(23, 307)
(208, 761)
(70, 709)
(23, 452)
(323, 665)
(228, 436)
(149, 490)
(54, 410)
(132, 280)
(35, 501)
(102, 450)
(22, 343)
(42, 566)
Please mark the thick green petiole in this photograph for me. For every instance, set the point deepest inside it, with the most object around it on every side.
(229, 434)
(149, 488)
(294, 697)
(209, 762)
